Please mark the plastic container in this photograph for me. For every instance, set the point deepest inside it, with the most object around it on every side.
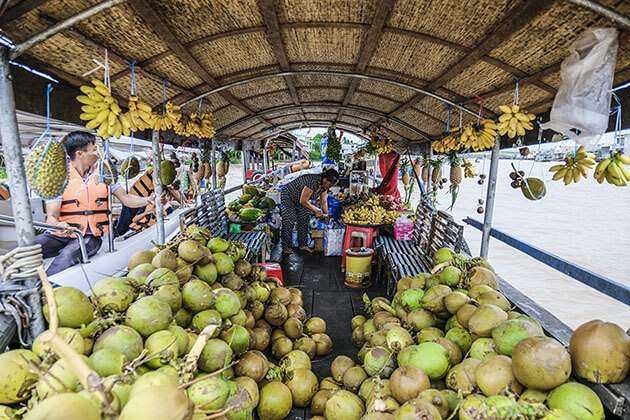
(274, 270)
(403, 229)
(358, 267)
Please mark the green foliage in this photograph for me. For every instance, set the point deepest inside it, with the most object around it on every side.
(315, 155)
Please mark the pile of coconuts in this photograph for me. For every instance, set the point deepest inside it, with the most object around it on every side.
(449, 345)
(189, 333)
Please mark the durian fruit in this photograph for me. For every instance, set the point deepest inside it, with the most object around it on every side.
(106, 172)
(130, 167)
(52, 170)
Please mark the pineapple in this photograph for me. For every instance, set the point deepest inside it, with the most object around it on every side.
(436, 175)
(404, 168)
(207, 170)
(425, 174)
(223, 167)
(456, 175)
(417, 166)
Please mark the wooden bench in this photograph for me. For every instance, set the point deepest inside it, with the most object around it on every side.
(433, 229)
(211, 215)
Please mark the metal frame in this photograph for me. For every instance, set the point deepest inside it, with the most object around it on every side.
(64, 24)
(364, 110)
(355, 129)
(329, 73)
(491, 193)
(157, 186)
(617, 18)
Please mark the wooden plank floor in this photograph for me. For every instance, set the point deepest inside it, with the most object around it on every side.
(324, 294)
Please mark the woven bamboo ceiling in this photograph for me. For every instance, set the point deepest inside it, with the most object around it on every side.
(461, 50)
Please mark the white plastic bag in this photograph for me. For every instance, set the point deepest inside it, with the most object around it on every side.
(583, 100)
(333, 242)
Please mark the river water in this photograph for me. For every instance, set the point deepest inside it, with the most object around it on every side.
(586, 223)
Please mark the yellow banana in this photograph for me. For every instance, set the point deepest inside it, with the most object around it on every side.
(556, 168)
(87, 116)
(531, 116)
(601, 167)
(623, 159)
(511, 133)
(505, 117)
(102, 116)
(568, 177)
(109, 100)
(112, 119)
(102, 130)
(610, 178)
(521, 117)
(601, 177)
(506, 109)
(115, 108)
(527, 125)
(587, 162)
(515, 109)
(124, 121)
(84, 99)
(583, 169)
(92, 124)
(103, 91)
(519, 129)
(623, 170)
(614, 171)
(576, 174)
(144, 107)
(98, 83)
(513, 123)
(117, 129)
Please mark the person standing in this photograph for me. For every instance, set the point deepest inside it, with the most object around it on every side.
(296, 205)
(82, 206)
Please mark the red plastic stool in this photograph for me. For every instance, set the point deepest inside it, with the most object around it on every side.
(274, 270)
(364, 234)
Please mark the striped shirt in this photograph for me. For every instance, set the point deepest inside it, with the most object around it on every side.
(293, 190)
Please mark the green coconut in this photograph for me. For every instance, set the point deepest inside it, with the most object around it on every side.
(418, 319)
(407, 382)
(461, 337)
(533, 396)
(182, 338)
(16, 377)
(452, 322)
(215, 355)
(482, 348)
(223, 263)
(541, 363)
(442, 255)
(148, 315)
(275, 401)
(433, 299)
(209, 394)
(152, 379)
(303, 385)
(533, 188)
(70, 336)
(217, 245)
(379, 361)
(108, 361)
(576, 399)
(436, 399)
(204, 318)
(462, 376)
(398, 338)
(295, 359)
(344, 405)
(163, 402)
(190, 251)
(238, 338)
(411, 299)
(207, 272)
(479, 275)
(455, 300)
(251, 387)
(485, 319)
(226, 302)
(162, 348)
(182, 317)
(73, 307)
(197, 295)
(66, 406)
(140, 273)
(113, 294)
(139, 258)
(429, 334)
(454, 352)
(494, 298)
(122, 338)
(494, 376)
(508, 334)
(450, 276)
(464, 313)
(339, 367)
(165, 259)
(432, 358)
(184, 270)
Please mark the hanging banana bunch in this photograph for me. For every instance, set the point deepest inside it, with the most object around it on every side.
(100, 110)
(168, 118)
(515, 121)
(469, 169)
(141, 115)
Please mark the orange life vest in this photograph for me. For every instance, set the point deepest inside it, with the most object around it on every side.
(143, 187)
(85, 203)
(4, 193)
(148, 220)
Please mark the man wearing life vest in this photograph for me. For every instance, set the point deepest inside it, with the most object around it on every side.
(82, 206)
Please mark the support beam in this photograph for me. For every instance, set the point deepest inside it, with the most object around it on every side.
(20, 201)
(369, 46)
(157, 186)
(490, 195)
(324, 105)
(144, 9)
(291, 125)
(61, 26)
(274, 36)
(213, 164)
(514, 20)
(20, 9)
(617, 18)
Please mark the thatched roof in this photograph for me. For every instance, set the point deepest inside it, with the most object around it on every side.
(457, 49)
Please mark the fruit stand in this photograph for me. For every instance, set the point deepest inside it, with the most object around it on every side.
(191, 327)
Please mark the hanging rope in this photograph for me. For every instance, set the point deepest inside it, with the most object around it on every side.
(17, 265)
(134, 83)
(516, 91)
(480, 115)
(616, 110)
(461, 116)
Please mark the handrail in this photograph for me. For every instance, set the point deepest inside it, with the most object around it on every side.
(603, 284)
(84, 254)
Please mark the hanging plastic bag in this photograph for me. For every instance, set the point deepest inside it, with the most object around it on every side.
(583, 100)
(333, 242)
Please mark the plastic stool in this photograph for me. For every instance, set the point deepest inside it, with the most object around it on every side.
(365, 234)
(274, 270)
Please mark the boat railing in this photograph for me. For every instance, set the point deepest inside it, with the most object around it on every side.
(84, 255)
(605, 285)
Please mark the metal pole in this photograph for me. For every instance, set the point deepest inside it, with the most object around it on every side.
(429, 184)
(617, 18)
(265, 159)
(293, 150)
(213, 164)
(20, 201)
(110, 219)
(157, 185)
(492, 187)
(64, 24)
(244, 161)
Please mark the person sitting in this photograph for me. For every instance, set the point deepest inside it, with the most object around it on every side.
(296, 204)
(145, 218)
(82, 206)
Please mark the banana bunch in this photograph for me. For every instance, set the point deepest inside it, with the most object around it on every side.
(167, 119)
(139, 117)
(391, 216)
(201, 125)
(100, 110)
(372, 201)
(450, 142)
(514, 121)
(574, 168)
(360, 154)
(364, 215)
(469, 169)
(379, 144)
(613, 170)
(341, 197)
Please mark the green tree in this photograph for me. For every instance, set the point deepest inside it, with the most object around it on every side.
(315, 143)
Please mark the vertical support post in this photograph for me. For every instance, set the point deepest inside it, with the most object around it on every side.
(293, 151)
(492, 188)
(157, 185)
(430, 185)
(20, 201)
(213, 164)
(110, 219)
(244, 162)
(265, 160)
(375, 170)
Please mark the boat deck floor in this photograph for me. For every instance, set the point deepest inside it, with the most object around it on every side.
(324, 295)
